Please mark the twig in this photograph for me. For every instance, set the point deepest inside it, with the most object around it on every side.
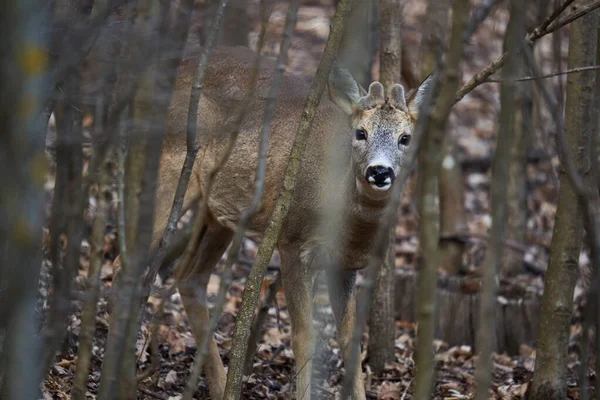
(429, 206)
(184, 263)
(70, 155)
(200, 220)
(567, 20)
(542, 30)
(555, 14)
(149, 112)
(88, 316)
(552, 75)
(378, 252)
(562, 146)
(152, 394)
(587, 195)
(237, 361)
(381, 320)
(257, 327)
(82, 37)
(493, 255)
(158, 319)
(406, 390)
(275, 223)
(73, 202)
(192, 144)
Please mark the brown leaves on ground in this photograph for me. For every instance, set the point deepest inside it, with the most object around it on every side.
(473, 126)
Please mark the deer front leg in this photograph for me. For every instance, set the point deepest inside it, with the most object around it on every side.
(342, 296)
(297, 284)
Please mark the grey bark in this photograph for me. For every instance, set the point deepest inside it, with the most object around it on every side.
(359, 41)
(429, 232)
(550, 376)
(382, 325)
(494, 251)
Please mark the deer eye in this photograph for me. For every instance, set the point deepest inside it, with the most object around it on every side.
(404, 140)
(361, 134)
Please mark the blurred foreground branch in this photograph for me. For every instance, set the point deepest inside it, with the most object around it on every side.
(275, 223)
(430, 157)
(494, 251)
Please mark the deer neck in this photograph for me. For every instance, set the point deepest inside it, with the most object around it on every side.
(366, 209)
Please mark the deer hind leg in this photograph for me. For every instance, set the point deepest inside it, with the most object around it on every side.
(297, 284)
(342, 296)
(192, 286)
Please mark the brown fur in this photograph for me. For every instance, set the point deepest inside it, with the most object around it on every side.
(224, 88)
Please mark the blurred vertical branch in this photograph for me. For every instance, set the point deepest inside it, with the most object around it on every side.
(359, 40)
(253, 284)
(381, 319)
(452, 208)
(23, 77)
(500, 168)
(516, 226)
(192, 145)
(434, 36)
(69, 208)
(429, 233)
(550, 375)
(145, 141)
(69, 200)
(265, 10)
(88, 316)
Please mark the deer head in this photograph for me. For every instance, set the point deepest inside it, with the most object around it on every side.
(380, 127)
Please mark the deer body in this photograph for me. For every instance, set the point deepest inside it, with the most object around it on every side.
(364, 187)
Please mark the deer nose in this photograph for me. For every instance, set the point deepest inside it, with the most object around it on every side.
(380, 175)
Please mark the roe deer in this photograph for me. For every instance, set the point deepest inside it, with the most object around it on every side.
(374, 141)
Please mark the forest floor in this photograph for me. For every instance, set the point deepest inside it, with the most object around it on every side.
(473, 125)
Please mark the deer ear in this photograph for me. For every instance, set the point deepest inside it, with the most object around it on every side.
(343, 88)
(416, 97)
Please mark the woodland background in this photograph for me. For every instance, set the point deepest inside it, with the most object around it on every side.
(468, 181)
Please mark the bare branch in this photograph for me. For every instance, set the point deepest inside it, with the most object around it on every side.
(251, 293)
(88, 316)
(543, 29)
(184, 13)
(493, 255)
(578, 196)
(200, 221)
(237, 360)
(552, 75)
(381, 320)
(431, 158)
(70, 140)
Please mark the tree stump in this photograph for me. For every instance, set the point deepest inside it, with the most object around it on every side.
(457, 302)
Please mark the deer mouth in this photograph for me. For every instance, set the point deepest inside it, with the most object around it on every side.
(380, 184)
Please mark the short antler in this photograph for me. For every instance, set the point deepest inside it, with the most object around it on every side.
(374, 98)
(397, 99)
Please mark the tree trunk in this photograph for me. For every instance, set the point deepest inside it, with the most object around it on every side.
(429, 232)
(550, 376)
(452, 209)
(516, 227)
(500, 170)
(359, 41)
(381, 319)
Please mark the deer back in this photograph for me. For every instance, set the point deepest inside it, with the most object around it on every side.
(224, 88)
